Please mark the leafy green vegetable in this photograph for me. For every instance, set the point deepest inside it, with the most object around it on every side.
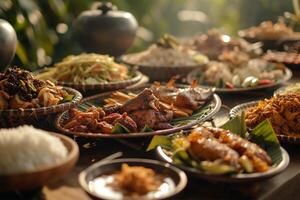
(68, 98)
(216, 168)
(246, 163)
(146, 129)
(182, 157)
(263, 135)
(119, 128)
(198, 114)
(220, 83)
(159, 140)
(237, 125)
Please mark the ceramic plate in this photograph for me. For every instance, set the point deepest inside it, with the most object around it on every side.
(286, 77)
(165, 155)
(95, 178)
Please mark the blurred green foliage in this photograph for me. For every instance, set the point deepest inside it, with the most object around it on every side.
(44, 27)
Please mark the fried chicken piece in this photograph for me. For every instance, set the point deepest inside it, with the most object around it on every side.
(111, 117)
(126, 121)
(104, 127)
(193, 97)
(152, 118)
(145, 100)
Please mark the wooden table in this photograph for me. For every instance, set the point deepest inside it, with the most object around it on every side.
(283, 186)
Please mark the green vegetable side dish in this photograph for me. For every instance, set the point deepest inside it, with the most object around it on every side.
(176, 147)
(87, 69)
(68, 98)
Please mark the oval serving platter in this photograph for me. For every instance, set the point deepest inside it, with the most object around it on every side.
(208, 111)
(285, 78)
(236, 178)
(174, 182)
(237, 110)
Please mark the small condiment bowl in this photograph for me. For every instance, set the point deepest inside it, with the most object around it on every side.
(174, 182)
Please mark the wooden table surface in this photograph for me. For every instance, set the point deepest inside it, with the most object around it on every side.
(282, 186)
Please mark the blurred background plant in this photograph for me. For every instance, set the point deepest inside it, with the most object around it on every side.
(44, 27)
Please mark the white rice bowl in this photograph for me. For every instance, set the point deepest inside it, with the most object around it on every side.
(26, 149)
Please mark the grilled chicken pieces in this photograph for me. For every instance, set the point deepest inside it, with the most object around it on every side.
(219, 144)
(149, 107)
(154, 108)
(191, 98)
(146, 110)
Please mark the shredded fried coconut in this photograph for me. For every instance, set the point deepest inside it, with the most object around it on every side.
(283, 111)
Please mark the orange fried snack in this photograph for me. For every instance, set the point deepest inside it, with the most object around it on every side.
(282, 110)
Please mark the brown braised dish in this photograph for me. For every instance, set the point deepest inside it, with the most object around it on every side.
(19, 89)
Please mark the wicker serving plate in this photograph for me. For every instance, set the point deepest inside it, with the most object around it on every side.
(44, 175)
(293, 139)
(100, 87)
(90, 101)
(11, 117)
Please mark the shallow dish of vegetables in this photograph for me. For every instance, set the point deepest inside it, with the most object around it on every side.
(226, 154)
(254, 74)
(89, 72)
(144, 111)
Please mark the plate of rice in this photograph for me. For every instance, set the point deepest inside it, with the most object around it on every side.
(165, 59)
(31, 158)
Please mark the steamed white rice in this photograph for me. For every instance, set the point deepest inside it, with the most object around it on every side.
(26, 149)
